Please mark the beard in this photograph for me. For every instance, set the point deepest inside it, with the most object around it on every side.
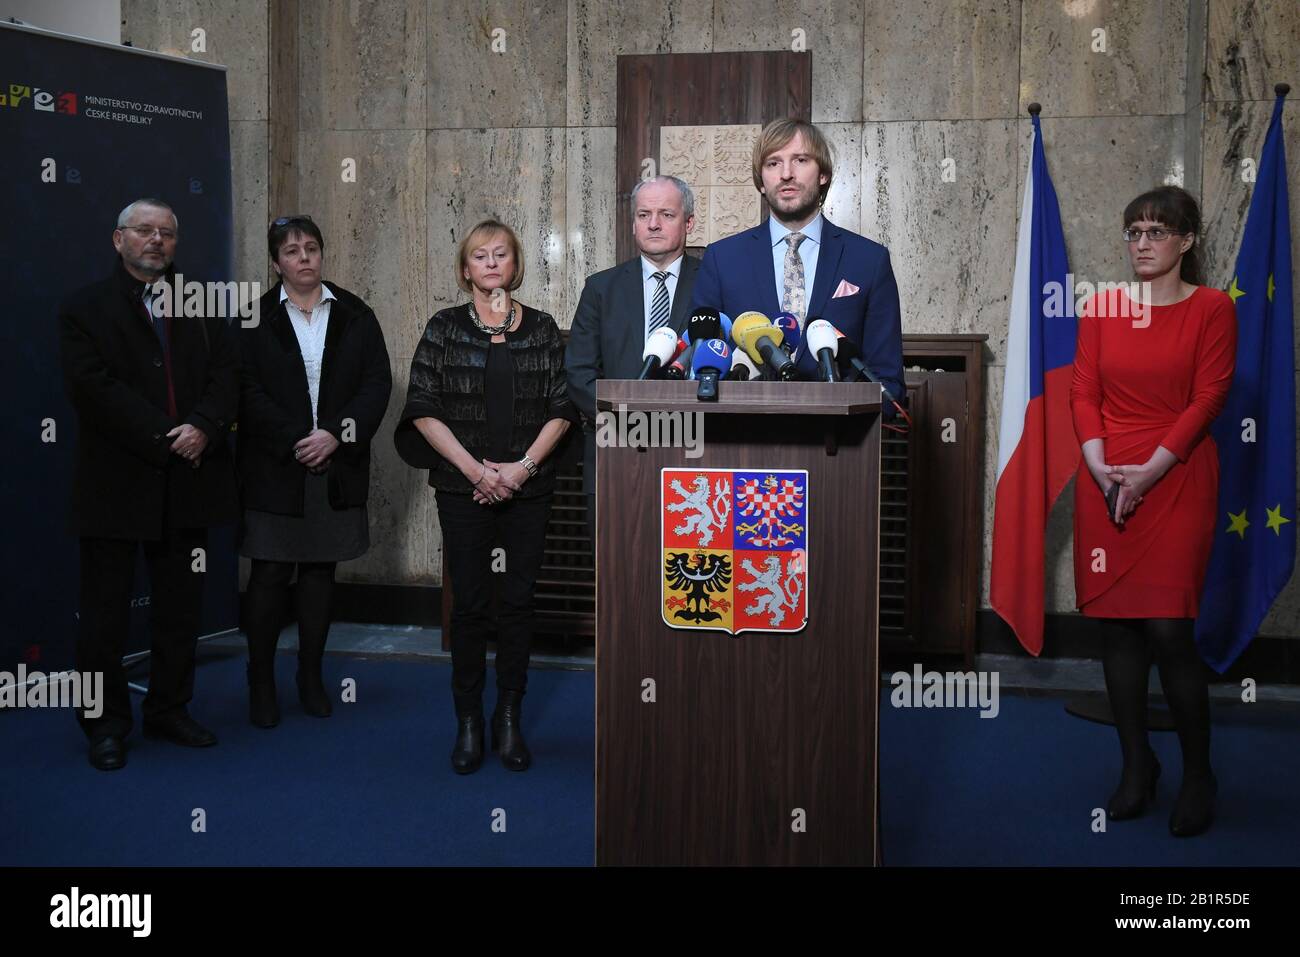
(154, 266)
(805, 206)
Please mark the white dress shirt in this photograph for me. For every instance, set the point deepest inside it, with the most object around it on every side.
(649, 285)
(310, 330)
(808, 250)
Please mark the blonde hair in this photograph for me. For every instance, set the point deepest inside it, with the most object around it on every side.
(780, 132)
(479, 236)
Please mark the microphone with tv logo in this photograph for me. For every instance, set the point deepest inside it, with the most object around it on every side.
(762, 342)
(661, 347)
(823, 344)
(742, 368)
(712, 361)
(705, 322)
(788, 323)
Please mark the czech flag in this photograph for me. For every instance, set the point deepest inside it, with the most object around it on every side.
(1037, 448)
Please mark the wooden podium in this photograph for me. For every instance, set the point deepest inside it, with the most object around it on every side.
(757, 748)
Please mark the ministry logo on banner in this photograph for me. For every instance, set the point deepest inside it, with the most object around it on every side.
(735, 549)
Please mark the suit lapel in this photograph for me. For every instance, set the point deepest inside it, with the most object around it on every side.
(682, 295)
(339, 319)
(764, 275)
(282, 328)
(628, 315)
(828, 268)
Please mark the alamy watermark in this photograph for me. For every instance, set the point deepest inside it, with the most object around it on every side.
(197, 300)
(953, 689)
(1066, 300)
(60, 689)
(653, 429)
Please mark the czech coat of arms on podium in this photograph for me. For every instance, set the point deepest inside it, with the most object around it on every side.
(735, 549)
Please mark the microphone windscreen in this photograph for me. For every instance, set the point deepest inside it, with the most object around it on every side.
(788, 323)
(820, 335)
(749, 328)
(662, 344)
(739, 357)
(712, 354)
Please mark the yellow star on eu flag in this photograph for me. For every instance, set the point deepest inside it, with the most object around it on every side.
(1239, 523)
(1235, 291)
(1275, 519)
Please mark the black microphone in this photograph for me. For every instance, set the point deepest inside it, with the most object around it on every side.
(677, 368)
(705, 322)
(848, 349)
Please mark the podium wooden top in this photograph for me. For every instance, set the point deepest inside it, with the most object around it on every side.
(747, 398)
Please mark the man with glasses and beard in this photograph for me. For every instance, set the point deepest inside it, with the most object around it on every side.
(155, 395)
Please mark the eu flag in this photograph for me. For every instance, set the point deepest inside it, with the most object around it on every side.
(1254, 540)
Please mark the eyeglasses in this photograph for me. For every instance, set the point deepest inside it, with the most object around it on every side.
(286, 220)
(1157, 234)
(146, 232)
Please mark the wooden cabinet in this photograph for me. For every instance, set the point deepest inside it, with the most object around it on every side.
(932, 502)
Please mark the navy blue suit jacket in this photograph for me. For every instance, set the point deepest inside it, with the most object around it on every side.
(737, 275)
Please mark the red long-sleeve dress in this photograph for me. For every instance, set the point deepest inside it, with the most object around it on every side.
(1138, 383)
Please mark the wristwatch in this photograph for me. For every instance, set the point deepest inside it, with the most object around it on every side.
(530, 465)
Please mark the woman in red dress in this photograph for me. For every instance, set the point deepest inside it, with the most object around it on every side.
(1149, 378)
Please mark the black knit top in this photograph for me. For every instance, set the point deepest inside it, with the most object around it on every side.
(448, 382)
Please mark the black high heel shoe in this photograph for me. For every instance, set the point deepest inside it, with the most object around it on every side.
(1122, 808)
(1194, 809)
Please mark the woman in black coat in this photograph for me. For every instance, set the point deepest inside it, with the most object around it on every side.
(314, 389)
(488, 403)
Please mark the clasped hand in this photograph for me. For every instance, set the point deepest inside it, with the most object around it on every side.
(313, 451)
(499, 482)
(1134, 482)
(189, 443)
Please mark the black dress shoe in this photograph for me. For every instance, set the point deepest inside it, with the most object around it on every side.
(179, 729)
(507, 738)
(263, 709)
(108, 754)
(467, 755)
(311, 693)
(1122, 807)
(1194, 810)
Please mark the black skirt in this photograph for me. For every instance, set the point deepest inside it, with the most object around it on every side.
(321, 534)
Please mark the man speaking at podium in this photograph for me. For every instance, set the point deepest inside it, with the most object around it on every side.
(622, 305)
(800, 262)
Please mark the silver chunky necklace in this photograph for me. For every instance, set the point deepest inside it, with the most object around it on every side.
(492, 330)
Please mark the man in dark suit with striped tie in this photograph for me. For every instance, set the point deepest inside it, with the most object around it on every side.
(621, 306)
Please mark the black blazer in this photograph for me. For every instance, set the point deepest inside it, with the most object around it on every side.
(275, 406)
(126, 481)
(608, 337)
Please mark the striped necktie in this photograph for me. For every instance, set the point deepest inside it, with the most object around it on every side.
(659, 304)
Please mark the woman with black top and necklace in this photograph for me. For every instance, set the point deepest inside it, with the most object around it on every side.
(486, 408)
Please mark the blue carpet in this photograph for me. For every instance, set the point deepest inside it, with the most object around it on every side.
(373, 786)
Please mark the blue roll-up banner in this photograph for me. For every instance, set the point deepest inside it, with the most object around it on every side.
(85, 128)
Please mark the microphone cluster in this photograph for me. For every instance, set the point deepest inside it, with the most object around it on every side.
(714, 348)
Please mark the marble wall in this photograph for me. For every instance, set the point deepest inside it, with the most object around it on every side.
(453, 110)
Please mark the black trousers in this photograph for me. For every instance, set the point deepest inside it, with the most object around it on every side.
(470, 532)
(175, 609)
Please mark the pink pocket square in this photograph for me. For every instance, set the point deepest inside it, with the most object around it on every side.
(845, 288)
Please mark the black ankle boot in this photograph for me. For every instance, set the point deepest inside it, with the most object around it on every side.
(467, 755)
(311, 690)
(1194, 809)
(263, 709)
(1124, 804)
(507, 738)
